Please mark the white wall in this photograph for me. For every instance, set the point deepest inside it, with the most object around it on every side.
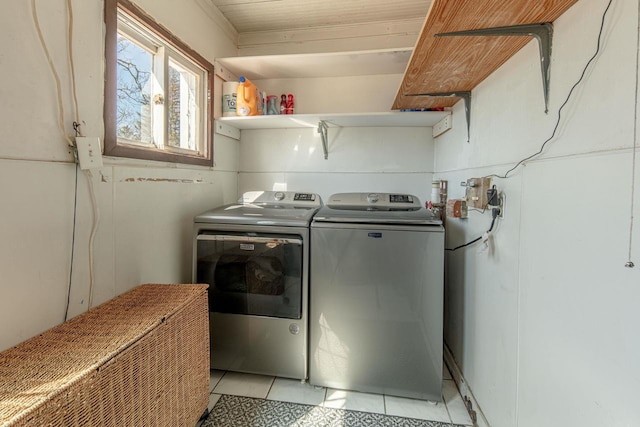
(360, 159)
(543, 325)
(146, 208)
(350, 94)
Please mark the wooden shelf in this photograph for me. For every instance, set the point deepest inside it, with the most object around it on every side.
(405, 119)
(457, 64)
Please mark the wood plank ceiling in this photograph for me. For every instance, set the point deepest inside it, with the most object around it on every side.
(449, 64)
(438, 64)
(280, 15)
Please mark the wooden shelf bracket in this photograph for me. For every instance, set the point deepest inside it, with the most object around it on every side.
(465, 95)
(542, 32)
(323, 130)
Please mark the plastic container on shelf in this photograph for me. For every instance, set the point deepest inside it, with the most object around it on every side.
(272, 105)
(229, 95)
(289, 107)
(248, 102)
(283, 104)
(263, 102)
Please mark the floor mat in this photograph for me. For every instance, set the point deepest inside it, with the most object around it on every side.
(236, 411)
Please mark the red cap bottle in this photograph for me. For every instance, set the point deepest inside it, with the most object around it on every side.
(289, 109)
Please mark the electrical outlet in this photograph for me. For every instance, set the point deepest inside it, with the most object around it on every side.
(89, 152)
(493, 199)
(477, 192)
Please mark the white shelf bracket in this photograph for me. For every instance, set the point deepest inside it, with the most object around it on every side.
(466, 95)
(227, 130)
(442, 126)
(323, 130)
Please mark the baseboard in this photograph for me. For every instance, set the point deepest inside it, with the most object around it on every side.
(203, 417)
(479, 420)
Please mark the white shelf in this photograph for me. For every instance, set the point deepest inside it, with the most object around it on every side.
(400, 119)
(340, 64)
(345, 64)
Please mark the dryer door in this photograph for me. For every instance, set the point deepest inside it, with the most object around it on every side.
(250, 273)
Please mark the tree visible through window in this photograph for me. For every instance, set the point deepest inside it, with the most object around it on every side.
(134, 92)
(157, 92)
(182, 105)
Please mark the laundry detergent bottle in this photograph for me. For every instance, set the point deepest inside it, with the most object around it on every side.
(248, 98)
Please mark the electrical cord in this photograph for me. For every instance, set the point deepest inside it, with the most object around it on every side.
(76, 127)
(555, 128)
(482, 211)
(629, 263)
(94, 229)
(496, 211)
(494, 214)
(56, 77)
(72, 67)
(73, 244)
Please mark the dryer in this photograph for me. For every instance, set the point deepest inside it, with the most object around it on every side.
(254, 255)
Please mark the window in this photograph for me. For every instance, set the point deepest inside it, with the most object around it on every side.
(158, 100)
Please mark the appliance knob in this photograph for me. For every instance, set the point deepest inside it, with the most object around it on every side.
(279, 196)
(294, 328)
(373, 198)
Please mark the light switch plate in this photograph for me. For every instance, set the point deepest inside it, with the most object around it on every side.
(89, 152)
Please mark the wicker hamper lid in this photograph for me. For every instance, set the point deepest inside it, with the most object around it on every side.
(45, 365)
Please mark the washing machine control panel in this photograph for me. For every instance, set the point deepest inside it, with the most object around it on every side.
(376, 201)
(307, 197)
(400, 198)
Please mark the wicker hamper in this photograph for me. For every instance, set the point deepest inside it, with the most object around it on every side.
(141, 359)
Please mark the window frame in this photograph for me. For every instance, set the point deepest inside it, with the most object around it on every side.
(168, 153)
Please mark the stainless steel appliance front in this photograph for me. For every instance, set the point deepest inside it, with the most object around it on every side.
(255, 257)
(376, 300)
(257, 297)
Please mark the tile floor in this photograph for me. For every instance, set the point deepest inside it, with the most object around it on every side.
(287, 390)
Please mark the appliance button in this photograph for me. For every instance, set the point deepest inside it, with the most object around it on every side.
(373, 198)
(279, 195)
(294, 328)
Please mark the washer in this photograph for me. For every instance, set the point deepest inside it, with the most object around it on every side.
(376, 310)
(254, 255)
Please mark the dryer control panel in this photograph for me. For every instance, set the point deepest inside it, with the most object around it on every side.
(289, 199)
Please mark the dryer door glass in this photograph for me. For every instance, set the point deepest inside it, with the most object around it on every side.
(257, 274)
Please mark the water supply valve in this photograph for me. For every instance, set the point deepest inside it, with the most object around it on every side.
(457, 208)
